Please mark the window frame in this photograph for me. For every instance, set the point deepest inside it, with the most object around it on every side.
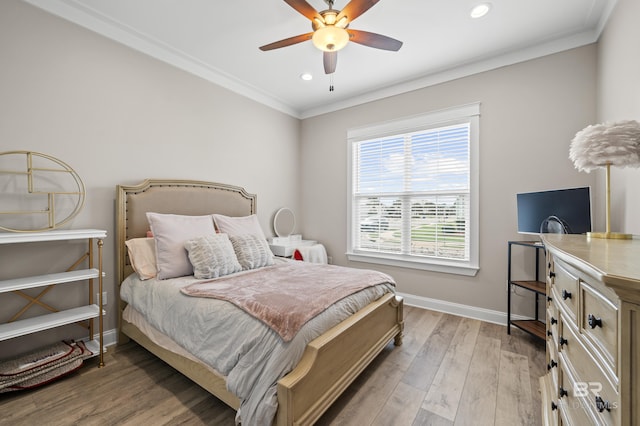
(469, 113)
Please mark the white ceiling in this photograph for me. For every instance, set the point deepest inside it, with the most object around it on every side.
(219, 40)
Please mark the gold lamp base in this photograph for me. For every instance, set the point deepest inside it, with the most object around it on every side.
(609, 235)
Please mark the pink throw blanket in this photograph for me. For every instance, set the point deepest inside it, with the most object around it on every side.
(285, 297)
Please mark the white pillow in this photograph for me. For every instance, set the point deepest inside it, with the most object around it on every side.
(171, 231)
(142, 255)
(252, 251)
(212, 256)
(242, 225)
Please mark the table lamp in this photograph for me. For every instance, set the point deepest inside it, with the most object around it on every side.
(605, 145)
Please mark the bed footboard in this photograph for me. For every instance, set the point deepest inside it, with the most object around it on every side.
(333, 360)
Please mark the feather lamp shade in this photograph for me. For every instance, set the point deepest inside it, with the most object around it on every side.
(604, 145)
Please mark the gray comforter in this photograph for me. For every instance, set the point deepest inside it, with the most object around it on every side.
(251, 355)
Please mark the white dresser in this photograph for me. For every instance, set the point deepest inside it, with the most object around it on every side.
(593, 331)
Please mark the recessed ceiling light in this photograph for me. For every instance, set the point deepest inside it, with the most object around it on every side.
(306, 76)
(480, 10)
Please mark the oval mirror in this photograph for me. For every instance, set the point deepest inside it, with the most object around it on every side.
(284, 222)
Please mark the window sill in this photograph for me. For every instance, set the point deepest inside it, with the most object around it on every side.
(447, 267)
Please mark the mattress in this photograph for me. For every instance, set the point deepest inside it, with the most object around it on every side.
(136, 318)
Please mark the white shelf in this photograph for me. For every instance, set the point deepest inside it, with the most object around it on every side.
(31, 325)
(54, 235)
(47, 279)
(46, 322)
(93, 346)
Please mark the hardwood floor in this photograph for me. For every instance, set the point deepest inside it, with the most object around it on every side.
(449, 371)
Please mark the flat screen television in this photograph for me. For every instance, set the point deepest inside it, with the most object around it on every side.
(558, 211)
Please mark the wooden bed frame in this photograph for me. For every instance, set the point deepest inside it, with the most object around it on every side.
(330, 362)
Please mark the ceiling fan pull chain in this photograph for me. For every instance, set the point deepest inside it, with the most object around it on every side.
(331, 82)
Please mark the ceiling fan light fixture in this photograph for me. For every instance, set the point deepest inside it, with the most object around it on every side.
(343, 22)
(330, 38)
(330, 17)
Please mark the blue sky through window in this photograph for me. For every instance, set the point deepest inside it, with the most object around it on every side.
(437, 161)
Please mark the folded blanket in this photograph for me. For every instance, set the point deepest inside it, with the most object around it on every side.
(315, 253)
(286, 296)
(42, 365)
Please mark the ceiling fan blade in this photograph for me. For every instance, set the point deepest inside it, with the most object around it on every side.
(355, 8)
(304, 8)
(287, 42)
(377, 41)
(330, 60)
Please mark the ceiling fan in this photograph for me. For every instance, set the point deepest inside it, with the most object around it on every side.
(331, 33)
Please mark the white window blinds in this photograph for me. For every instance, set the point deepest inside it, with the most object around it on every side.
(411, 194)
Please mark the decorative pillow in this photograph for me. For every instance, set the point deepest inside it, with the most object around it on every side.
(242, 225)
(171, 231)
(212, 256)
(142, 255)
(252, 251)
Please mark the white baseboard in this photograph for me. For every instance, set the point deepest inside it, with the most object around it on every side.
(488, 315)
(110, 337)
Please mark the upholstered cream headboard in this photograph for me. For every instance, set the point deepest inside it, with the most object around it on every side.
(172, 196)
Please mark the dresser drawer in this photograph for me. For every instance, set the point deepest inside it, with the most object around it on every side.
(599, 324)
(552, 362)
(552, 311)
(549, 401)
(571, 404)
(552, 317)
(591, 384)
(566, 284)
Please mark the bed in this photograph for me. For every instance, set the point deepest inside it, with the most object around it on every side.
(329, 362)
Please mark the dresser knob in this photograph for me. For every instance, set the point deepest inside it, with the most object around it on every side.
(602, 405)
(594, 322)
(549, 299)
(566, 294)
(551, 365)
(549, 333)
(555, 321)
(562, 392)
(554, 406)
(552, 274)
(562, 341)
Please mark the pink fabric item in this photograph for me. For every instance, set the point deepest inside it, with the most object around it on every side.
(286, 296)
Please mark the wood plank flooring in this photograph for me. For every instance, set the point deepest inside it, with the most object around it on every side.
(449, 371)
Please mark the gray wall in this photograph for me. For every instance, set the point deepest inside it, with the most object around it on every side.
(529, 113)
(619, 99)
(118, 116)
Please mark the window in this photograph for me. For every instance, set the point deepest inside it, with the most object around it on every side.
(414, 192)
